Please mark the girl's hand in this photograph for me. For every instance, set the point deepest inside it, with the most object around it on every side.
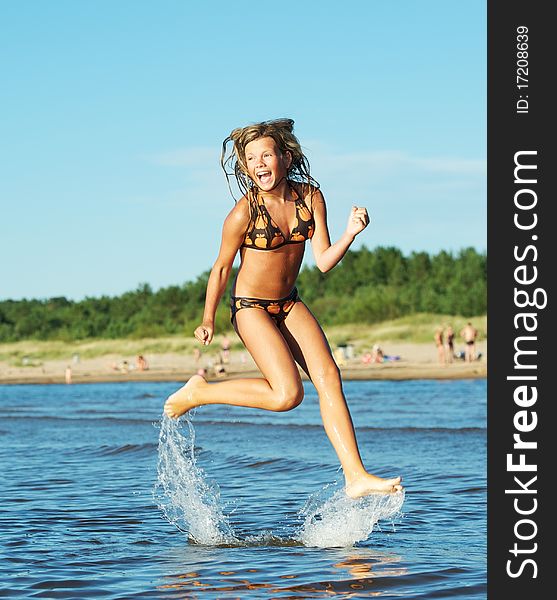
(357, 221)
(204, 333)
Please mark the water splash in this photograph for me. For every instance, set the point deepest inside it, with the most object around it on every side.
(193, 504)
(339, 521)
(182, 490)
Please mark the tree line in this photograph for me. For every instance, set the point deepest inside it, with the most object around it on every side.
(368, 286)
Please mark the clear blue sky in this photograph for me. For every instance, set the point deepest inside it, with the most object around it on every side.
(113, 113)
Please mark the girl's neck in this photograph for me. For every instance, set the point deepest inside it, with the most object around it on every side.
(282, 191)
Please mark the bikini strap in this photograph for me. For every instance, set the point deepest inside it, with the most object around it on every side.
(254, 208)
(258, 198)
(300, 197)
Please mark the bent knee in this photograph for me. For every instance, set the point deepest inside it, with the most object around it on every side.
(289, 398)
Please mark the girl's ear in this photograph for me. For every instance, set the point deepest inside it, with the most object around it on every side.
(288, 156)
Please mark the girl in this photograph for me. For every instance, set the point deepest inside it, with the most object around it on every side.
(281, 208)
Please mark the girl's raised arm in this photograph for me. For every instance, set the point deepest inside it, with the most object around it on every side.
(328, 255)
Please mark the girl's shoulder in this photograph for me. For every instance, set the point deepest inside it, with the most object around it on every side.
(240, 213)
(308, 192)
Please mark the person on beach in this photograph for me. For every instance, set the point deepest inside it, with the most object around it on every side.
(218, 366)
(377, 355)
(449, 343)
(225, 347)
(438, 337)
(141, 362)
(469, 333)
(281, 208)
(196, 355)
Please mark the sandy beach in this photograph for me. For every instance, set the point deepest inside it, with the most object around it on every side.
(417, 361)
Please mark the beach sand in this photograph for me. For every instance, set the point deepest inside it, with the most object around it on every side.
(417, 361)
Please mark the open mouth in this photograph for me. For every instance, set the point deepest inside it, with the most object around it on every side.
(264, 177)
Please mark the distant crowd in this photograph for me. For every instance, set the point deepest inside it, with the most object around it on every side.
(444, 341)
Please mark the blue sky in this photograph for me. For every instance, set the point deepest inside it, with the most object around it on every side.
(113, 114)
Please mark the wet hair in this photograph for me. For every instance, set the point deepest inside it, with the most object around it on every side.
(233, 159)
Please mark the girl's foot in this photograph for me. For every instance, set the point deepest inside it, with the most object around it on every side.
(370, 484)
(181, 401)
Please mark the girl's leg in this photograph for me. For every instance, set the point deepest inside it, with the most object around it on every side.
(311, 350)
(280, 388)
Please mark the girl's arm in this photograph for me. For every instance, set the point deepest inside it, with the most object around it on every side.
(233, 232)
(327, 255)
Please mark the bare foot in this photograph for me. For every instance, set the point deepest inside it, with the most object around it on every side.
(181, 401)
(370, 484)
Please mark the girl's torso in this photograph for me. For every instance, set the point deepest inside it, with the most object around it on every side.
(271, 254)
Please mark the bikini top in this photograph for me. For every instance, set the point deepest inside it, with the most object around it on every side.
(264, 234)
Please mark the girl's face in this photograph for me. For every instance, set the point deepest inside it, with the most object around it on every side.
(265, 163)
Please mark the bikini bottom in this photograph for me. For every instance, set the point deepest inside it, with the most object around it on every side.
(278, 309)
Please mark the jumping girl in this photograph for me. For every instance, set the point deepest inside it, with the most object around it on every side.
(281, 208)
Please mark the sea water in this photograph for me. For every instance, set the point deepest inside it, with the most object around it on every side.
(103, 498)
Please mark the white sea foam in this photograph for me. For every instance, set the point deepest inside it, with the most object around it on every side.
(182, 490)
(339, 521)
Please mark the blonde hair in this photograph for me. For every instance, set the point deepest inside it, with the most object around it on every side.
(233, 160)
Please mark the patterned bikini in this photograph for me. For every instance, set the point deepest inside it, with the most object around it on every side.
(264, 234)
